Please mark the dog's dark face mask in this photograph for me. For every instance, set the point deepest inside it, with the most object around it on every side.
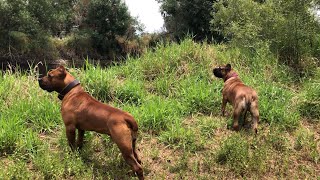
(54, 80)
(222, 71)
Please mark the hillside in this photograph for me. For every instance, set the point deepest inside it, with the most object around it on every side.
(173, 95)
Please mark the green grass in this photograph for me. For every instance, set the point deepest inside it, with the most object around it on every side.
(176, 101)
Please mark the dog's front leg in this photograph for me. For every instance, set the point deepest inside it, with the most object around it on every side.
(71, 135)
(223, 108)
(80, 138)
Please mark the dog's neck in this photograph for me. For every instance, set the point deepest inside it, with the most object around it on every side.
(68, 88)
(230, 75)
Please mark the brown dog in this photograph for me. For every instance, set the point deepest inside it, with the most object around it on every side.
(242, 97)
(81, 111)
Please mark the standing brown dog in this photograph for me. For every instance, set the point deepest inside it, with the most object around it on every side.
(242, 97)
(81, 111)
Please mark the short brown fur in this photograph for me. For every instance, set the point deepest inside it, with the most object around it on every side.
(82, 112)
(243, 98)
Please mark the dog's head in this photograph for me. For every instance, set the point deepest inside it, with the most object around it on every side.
(55, 80)
(222, 71)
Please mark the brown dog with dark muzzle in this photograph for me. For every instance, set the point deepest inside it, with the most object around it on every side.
(82, 112)
(242, 97)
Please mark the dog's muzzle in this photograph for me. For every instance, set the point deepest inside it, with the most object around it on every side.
(44, 86)
(217, 73)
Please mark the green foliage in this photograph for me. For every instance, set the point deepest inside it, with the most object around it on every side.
(16, 170)
(176, 101)
(309, 105)
(156, 113)
(289, 27)
(186, 17)
(236, 153)
(275, 103)
(131, 92)
(239, 21)
(108, 19)
(306, 143)
(52, 166)
(26, 26)
(96, 76)
(180, 137)
(278, 140)
(199, 95)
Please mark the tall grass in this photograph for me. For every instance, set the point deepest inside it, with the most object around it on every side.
(310, 98)
(176, 101)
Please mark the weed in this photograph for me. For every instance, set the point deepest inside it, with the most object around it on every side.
(130, 92)
(306, 143)
(180, 137)
(236, 153)
(278, 139)
(310, 103)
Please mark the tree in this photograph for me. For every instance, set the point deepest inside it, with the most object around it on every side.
(188, 17)
(108, 19)
(290, 27)
(25, 26)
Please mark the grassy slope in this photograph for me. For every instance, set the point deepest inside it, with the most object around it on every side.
(176, 101)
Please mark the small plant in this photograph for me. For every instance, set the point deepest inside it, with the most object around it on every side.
(208, 125)
(278, 139)
(16, 170)
(306, 143)
(237, 154)
(199, 96)
(310, 104)
(156, 114)
(130, 92)
(183, 138)
(234, 152)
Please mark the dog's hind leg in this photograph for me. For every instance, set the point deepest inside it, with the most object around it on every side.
(122, 136)
(236, 115)
(255, 115)
(71, 136)
(134, 139)
(80, 138)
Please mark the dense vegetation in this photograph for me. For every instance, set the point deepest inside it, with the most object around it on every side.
(176, 101)
(166, 83)
(44, 30)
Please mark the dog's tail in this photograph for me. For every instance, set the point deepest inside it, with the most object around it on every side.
(248, 98)
(134, 133)
(132, 125)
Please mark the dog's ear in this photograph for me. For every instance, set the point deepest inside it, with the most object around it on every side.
(228, 67)
(62, 71)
